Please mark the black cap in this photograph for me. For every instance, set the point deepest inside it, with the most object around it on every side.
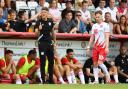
(31, 52)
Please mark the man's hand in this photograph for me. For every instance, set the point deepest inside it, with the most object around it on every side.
(12, 62)
(74, 66)
(107, 50)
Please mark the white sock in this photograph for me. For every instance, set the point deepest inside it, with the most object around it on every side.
(81, 76)
(73, 77)
(39, 74)
(96, 72)
(18, 81)
(69, 78)
(116, 78)
(61, 80)
(104, 68)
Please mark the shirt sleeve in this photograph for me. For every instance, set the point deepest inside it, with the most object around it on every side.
(64, 61)
(2, 64)
(89, 15)
(37, 61)
(92, 30)
(62, 27)
(116, 9)
(21, 62)
(75, 61)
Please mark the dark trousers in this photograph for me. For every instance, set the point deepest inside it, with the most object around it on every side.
(122, 79)
(46, 50)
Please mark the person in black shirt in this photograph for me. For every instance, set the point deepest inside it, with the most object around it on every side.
(23, 23)
(67, 25)
(88, 71)
(44, 29)
(121, 61)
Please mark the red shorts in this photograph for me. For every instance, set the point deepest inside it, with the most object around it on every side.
(11, 76)
(99, 54)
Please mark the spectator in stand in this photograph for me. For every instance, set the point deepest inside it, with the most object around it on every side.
(113, 10)
(8, 4)
(108, 19)
(81, 28)
(96, 2)
(28, 66)
(86, 16)
(54, 11)
(42, 3)
(5, 9)
(91, 6)
(8, 68)
(3, 23)
(123, 8)
(122, 26)
(102, 8)
(23, 23)
(121, 61)
(67, 25)
(11, 21)
(72, 67)
(69, 6)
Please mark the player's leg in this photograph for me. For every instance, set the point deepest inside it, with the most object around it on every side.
(58, 74)
(68, 73)
(17, 79)
(81, 75)
(42, 54)
(101, 59)
(73, 76)
(95, 65)
(50, 56)
(113, 71)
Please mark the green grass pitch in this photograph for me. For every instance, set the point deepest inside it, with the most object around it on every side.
(64, 86)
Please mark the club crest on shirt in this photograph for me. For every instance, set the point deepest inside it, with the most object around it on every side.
(101, 26)
(42, 24)
(49, 23)
(95, 31)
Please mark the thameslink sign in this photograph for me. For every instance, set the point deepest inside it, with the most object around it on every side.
(17, 43)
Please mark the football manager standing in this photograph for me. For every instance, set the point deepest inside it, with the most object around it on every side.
(46, 42)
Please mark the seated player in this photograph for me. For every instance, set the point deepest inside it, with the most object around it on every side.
(8, 68)
(72, 67)
(28, 66)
